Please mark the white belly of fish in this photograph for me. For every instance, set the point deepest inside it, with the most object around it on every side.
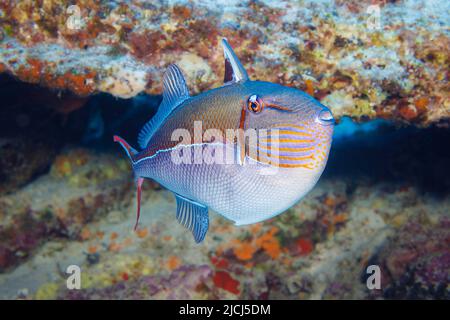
(257, 196)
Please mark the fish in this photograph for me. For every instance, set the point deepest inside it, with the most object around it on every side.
(257, 149)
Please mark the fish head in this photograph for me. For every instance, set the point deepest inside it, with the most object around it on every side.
(270, 104)
(297, 129)
(293, 128)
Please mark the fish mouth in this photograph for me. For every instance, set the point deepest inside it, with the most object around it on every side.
(325, 117)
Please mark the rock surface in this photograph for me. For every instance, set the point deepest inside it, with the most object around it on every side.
(394, 65)
(59, 204)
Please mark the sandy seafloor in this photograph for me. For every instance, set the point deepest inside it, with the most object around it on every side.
(377, 204)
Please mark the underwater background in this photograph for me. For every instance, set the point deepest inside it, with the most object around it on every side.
(74, 73)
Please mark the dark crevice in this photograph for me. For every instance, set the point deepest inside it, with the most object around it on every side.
(399, 156)
(35, 123)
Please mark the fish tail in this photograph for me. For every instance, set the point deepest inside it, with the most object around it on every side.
(131, 152)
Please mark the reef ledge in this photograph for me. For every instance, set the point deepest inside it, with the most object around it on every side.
(364, 59)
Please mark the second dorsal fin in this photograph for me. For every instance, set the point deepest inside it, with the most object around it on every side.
(234, 70)
(175, 91)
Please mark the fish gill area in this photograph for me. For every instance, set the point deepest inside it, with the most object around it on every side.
(67, 193)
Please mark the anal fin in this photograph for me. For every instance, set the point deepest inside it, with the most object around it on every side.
(193, 216)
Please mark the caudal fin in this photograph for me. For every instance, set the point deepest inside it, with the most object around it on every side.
(131, 152)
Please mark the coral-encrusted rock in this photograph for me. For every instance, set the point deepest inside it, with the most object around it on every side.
(186, 282)
(335, 50)
(80, 188)
(416, 263)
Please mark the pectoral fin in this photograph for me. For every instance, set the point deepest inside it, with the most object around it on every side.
(193, 216)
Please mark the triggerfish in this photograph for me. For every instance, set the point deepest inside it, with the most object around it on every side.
(249, 150)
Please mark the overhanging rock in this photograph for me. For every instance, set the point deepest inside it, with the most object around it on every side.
(365, 61)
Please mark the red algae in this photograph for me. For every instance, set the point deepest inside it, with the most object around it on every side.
(224, 281)
(304, 246)
(220, 263)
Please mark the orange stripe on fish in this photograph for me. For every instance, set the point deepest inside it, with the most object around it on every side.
(288, 165)
(278, 107)
(294, 133)
(293, 149)
(287, 157)
(288, 125)
(286, 140)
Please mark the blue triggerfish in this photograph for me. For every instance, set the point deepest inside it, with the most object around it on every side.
(248, 150)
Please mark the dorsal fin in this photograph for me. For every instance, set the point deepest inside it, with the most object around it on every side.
(175, 91)
(234, 70)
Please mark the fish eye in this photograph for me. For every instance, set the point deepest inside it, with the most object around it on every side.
(255, 103)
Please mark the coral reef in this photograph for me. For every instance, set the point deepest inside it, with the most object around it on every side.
(186, 282)
(320, 248)
(393, 65)
(60, 204)
(67, 195)
(416, 262)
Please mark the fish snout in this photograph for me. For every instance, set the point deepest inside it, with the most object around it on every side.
(325, 117)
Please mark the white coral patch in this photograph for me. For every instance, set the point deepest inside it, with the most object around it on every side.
(339, 101)
(384, 63)
(123, 78)
(195, 68)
